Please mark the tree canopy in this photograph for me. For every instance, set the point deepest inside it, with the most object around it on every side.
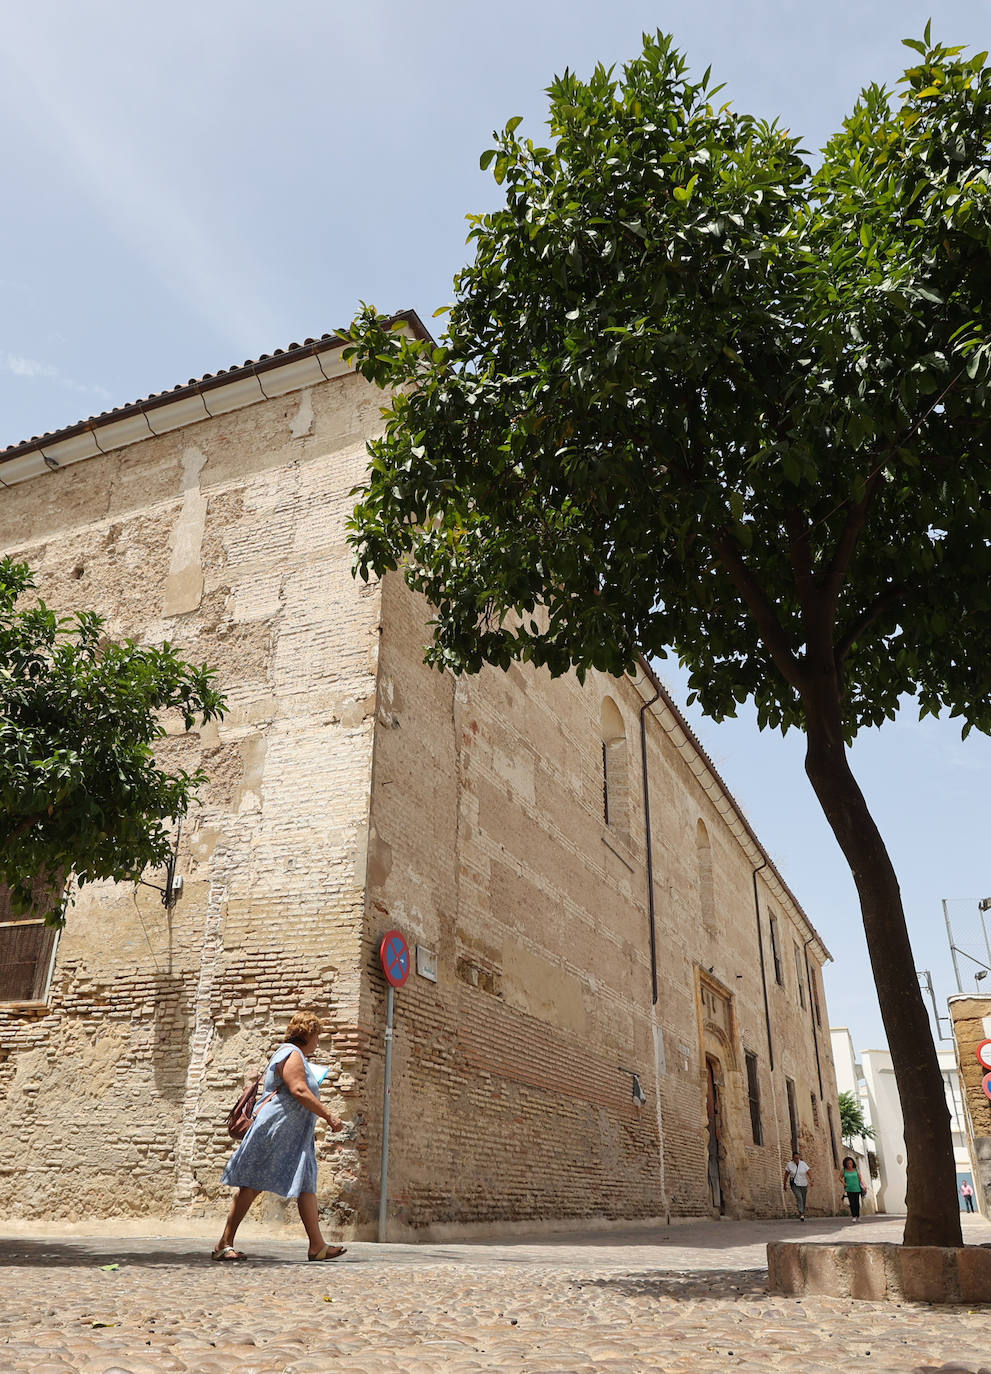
(80, 790)
(686, 367)
(700, 393)
(852, 1122)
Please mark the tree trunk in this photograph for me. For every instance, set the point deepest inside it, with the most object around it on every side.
(933, 1210)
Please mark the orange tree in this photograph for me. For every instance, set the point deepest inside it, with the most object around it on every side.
(80, 790)
(697, 395)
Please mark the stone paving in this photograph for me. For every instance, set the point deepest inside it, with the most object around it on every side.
(686, 1299)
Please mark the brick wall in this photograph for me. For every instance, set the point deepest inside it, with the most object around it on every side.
(351, 790)
(228, 539)
(971, 1020)
(513, 1073)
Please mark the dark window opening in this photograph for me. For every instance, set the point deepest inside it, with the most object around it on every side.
(792, 1113)
(832, 1134)
(25, 958)
(753, 1093)
(779, 976)
(814, 984)
(26, 948)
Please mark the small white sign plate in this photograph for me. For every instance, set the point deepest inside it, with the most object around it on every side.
(426, 963)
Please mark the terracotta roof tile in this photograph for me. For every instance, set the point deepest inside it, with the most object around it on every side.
(209, 379)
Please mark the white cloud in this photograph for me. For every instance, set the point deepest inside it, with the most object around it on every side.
(28, 367)
(31, 367)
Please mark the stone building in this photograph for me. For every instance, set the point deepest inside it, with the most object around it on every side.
(970, 1019)
(625, 1020)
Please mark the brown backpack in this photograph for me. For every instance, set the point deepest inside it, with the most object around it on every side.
(242, 1115)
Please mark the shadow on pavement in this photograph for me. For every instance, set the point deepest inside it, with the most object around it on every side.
(699, 1283)
(702, 1235)
(49, 1253)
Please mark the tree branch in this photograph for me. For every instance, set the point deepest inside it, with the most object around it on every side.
(846, 546)
(24, 826)
(800, 554)
(760, 608)
(889, 597)
(857, 515)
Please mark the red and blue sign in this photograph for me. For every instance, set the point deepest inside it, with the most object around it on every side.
(986, 1085)
(394, 953)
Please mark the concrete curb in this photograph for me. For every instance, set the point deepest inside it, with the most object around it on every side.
(881, 1272)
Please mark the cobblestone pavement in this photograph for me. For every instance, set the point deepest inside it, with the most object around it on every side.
(682, 1300)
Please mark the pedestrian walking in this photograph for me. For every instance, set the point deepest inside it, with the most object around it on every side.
(278, 1154)
(853, 1186)
(967, 1193)
(798, 1177)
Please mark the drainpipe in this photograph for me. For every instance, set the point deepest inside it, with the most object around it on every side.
(650, 851)
(763, 970)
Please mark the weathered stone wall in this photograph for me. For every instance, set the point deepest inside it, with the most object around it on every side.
(512, 1092)
(971, 1018)
(351, 789)
(226, 538)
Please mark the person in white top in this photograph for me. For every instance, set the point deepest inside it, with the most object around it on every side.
(798, 1176)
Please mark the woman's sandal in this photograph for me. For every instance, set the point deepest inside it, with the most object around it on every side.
(328, 1252)
(228, 1253)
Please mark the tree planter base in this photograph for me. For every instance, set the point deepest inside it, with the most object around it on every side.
(881, 1272)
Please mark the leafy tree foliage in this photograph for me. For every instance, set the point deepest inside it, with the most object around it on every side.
(80, 791)
(698, 395)
(852, 1123)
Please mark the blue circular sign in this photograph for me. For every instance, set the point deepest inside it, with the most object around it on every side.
(394, 953)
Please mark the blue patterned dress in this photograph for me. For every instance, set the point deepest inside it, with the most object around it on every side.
(278, 1155)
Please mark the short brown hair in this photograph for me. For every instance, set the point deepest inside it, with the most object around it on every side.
(303, 1025)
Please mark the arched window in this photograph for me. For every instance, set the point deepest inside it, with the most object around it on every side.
(615, 767)
(703, 858)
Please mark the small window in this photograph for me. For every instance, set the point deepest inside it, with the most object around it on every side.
(815, 1110)
(800, 976)
(779, 973)
(792, 1113)
(832, 1134)
(753, 1092)
(814, 984)
(27, 947)
(703, 859)
(615, 768)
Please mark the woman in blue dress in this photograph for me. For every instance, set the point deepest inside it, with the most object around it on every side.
(278, 1154)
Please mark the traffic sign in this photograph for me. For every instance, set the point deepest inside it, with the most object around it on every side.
(986, 1085)
(984, 1053)
(394, 953)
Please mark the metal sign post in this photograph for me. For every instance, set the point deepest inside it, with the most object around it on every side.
(394, 954)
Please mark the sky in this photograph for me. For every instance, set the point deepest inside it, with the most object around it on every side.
(193, 186)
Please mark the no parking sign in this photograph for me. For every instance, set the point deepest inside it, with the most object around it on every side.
(394, 953)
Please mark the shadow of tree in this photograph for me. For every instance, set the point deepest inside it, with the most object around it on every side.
(688, 1284)
(50, 1253)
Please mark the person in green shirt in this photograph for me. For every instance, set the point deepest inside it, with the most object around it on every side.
(853, 1186)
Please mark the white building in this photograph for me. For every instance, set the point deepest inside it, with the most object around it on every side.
(886, 1118)
(850, 1079)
